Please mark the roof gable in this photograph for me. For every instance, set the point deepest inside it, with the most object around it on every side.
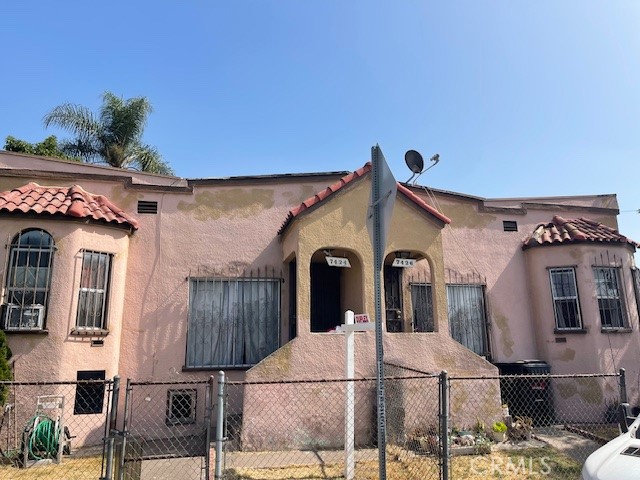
(561, 231)
(350, 178)
(71, 201)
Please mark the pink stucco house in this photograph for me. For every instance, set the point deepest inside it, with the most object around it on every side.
(109, 271)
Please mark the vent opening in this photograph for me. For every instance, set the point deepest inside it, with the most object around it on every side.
(510, 226)
(145, 206)
(632, 451)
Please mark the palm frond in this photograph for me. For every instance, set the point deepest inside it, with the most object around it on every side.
(147, 159)
(76, 119)
(81, 149)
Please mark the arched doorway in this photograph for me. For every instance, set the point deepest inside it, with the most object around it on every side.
(336, 286)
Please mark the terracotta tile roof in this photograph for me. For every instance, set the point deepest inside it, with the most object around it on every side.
(71, 201)
(347, 179)
(561, 231)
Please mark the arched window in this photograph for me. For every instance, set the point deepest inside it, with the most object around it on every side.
(28, 280)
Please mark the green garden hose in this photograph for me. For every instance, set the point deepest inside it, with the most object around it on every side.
(43, 439)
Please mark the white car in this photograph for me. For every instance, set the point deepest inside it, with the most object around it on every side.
(617, 460)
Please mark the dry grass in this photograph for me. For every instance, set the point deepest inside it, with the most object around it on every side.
(532, 463)
(84, 468)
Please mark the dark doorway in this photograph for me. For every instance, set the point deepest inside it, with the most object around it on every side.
(393, 298)
(325, 297)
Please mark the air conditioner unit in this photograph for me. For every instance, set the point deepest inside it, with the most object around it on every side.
(23, 318)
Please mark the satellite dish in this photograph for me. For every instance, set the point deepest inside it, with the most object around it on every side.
(414, 161)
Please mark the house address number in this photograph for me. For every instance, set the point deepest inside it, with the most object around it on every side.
(338, 262)
(404, 262)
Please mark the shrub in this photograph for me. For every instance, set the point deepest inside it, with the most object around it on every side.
(5, 368)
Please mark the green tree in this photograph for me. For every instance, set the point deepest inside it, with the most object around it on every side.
(5, 368)
(48, 147)
(112, 137)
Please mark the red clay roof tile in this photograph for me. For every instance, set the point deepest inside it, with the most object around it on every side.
(347, 179)
(71, 201)
(561, 231)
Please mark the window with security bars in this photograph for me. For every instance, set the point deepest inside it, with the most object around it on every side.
(93, 292)
(28, 280)
(422, 307)
(181, 406)
(233, 322)
(467, 317)
(564, 291)
(610, 300)
(89, 396)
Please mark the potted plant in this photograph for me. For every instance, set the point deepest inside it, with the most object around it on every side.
(499, 431)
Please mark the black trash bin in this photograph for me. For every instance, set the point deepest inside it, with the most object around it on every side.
(527, 397)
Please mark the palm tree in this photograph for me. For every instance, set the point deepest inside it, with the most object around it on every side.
(114, 137)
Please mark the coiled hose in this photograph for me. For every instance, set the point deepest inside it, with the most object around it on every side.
(43, 438)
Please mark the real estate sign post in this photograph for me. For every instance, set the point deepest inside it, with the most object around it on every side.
(383, 195)
(352, 323)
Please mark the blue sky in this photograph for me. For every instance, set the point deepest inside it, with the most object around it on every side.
(518, 98)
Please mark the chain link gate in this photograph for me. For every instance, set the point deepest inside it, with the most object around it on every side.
(166, 432)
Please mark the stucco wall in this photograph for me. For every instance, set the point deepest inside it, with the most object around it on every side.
(593, 350)
(475, 241)
(57, 354)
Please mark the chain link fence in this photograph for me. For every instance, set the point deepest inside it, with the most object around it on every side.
(328, 429)
(512, 426)
(437, 427)
(54, 430)
(546, 427)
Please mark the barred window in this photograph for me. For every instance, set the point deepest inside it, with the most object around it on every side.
(89, 396)
(181, 406)
(565, 298)
(93, 293)
(467, 317)
(610, 300)
(422, 307)
(28, 280)
(233, 322)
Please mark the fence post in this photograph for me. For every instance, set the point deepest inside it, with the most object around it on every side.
(220, 426)
(208, 416)
(110, 428)
(444, 425)
(623, 386)
(125, 426)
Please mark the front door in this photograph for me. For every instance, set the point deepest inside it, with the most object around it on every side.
(325, 297)
(393, 298)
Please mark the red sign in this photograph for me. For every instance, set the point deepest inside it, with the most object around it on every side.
(361, 318)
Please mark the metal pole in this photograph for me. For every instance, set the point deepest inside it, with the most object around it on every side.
(623, 386)
(208, 415)
(115, 396)
(125, 426)
(377, 266)
(444, 425)
(349, 416)
(220, 426)
(111, 426)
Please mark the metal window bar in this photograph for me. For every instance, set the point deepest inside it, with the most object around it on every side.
(467, 316)
(609, 277)
(564, 291)
(609, 297)
(28, 279)
(233, 322)
(421, 299)
(92, 296)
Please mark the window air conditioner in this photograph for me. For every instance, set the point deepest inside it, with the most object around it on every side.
(23, 318)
